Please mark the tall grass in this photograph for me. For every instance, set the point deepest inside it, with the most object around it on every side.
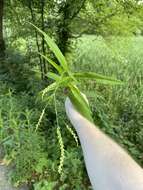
(120, 110)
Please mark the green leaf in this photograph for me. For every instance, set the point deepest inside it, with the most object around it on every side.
(65, 81)
(99, 78)
(53, 76)
(54, 48)
(57, 67)
(110, 82)
(79, 102)
(42, 163)
(62, 82)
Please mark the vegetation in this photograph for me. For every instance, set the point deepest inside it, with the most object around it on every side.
(103, 37)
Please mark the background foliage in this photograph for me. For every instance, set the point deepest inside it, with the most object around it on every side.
(101, 36)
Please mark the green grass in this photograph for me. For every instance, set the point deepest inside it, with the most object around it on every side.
(119, 112)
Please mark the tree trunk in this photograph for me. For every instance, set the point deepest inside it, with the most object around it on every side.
(36, 37)
(63, 36)
(43, 40)
(63, 32)
(67, 15)
(2, 44)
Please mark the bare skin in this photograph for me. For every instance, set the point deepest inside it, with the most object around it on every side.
(109, 167)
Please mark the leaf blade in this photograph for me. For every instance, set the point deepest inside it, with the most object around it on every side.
(53, 76)
(79, 102)
(98, 77)
(57, 67)
(55, 49)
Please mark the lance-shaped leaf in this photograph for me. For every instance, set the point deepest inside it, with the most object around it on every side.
(53, 76)
(97, 77)
(79, 102)
(54, 48)
(57, 67)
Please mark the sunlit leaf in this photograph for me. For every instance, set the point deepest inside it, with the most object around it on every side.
(54, 48)
(97, 77)
(53, 76)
